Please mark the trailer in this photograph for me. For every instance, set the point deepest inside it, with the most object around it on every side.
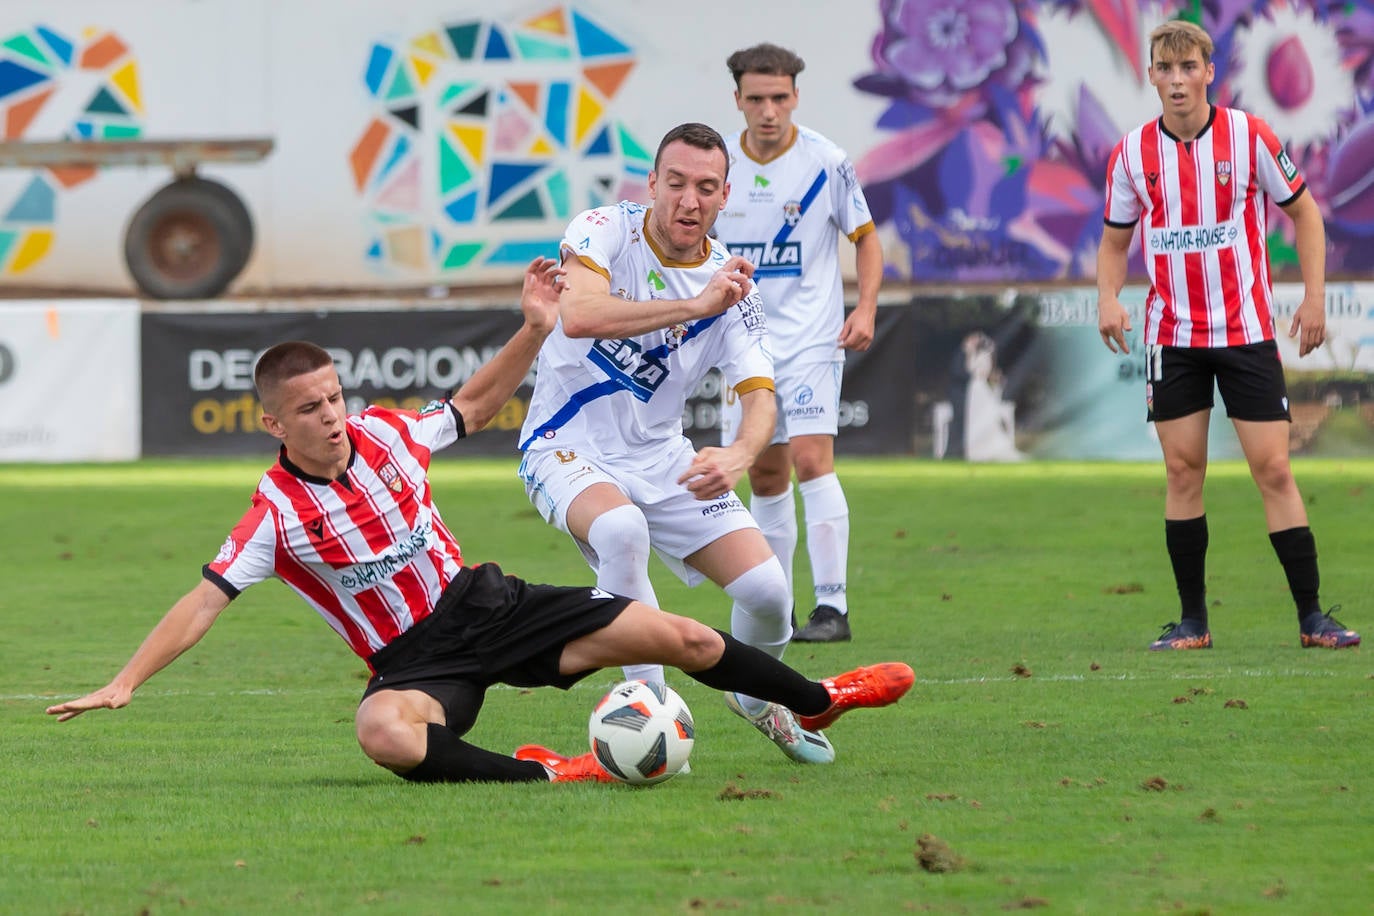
(194, 235)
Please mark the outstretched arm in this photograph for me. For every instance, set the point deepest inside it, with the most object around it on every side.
(589, 308)
(490, 387)
(1310, 319)
(180, 629)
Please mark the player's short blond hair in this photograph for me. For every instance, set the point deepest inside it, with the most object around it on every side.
(1175, 38)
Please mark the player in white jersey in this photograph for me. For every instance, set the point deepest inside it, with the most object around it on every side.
(797, 195)
(347, 520)
(650, 305)
(1198, 181)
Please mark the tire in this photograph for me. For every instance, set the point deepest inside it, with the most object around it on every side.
(189, 240)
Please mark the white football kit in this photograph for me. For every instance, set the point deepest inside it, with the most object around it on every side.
(784, 215)
(611, 410)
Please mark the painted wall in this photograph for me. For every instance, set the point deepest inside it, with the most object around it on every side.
(446, 142)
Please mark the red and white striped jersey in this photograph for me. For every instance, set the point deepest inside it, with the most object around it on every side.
(1204, 206)
(368, 551)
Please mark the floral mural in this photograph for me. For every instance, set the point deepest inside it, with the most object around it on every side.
(1001, 115)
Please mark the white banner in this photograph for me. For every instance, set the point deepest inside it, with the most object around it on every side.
(69, 381)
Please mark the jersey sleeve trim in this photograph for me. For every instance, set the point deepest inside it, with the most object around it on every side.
(862, 231)
(1119, 225)
(588, 262)
(755, 383)
(1296, 194)
(219, 582)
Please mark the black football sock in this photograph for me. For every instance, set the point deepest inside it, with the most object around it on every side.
(1187, 543)
(449, 758)
(753, 672)
(1297, 550)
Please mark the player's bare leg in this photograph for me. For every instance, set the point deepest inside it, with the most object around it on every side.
(1184, 442)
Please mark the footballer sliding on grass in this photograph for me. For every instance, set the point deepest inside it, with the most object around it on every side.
(346, 519)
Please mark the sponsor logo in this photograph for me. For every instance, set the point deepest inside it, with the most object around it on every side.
(847, 174)
(760, 181)
(724, 505)
(602, 595)
(830, 589)
(1192, 239)
(1290, 171)
(314, 527)
(1152, 178)
(565, 455)
(391, 477)
(656, 281)
(751, 310)
(783, 260)
(626, 363)
(791, 212)
(804, 395)
(1223, 173)
(1149, 395)
(365, 575)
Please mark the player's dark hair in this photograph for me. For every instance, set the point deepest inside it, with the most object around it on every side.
(700, 136)
(768, 59)
(286, 361)
(1175, 38)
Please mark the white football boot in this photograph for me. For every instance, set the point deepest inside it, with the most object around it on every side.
(783, 729)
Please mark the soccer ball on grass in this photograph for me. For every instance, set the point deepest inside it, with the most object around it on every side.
(641, 733)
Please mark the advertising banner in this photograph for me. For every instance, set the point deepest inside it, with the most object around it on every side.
(69, 381)
(198, 393)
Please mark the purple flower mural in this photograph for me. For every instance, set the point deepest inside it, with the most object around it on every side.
(1001, 115)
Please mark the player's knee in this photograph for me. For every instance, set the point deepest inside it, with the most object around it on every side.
(1273, 474)
(699, 646)
(390, 741)
(762, 591)
(620, 535)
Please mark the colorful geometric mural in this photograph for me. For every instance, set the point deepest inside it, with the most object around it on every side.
(90, 85)
(482, 125)
(1002, 114)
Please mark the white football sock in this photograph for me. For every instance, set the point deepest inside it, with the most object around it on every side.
(777, 518)
(827, 538)
(620, 537)
(760, 616)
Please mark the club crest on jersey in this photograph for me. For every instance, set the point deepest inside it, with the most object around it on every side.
(791, 212)
(565, 455)
(1223, 173)
(391, 477)
(674, 336)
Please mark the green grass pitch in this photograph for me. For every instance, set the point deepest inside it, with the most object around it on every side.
(1043, 760)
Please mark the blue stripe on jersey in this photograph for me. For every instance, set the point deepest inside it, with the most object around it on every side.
(807, 199)
(617, 382)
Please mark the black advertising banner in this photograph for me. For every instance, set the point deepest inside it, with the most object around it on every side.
(877, 407)
(198, 396)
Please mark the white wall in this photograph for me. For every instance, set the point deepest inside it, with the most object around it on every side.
(293, 70)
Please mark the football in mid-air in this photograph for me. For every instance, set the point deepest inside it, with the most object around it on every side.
(641, 733)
